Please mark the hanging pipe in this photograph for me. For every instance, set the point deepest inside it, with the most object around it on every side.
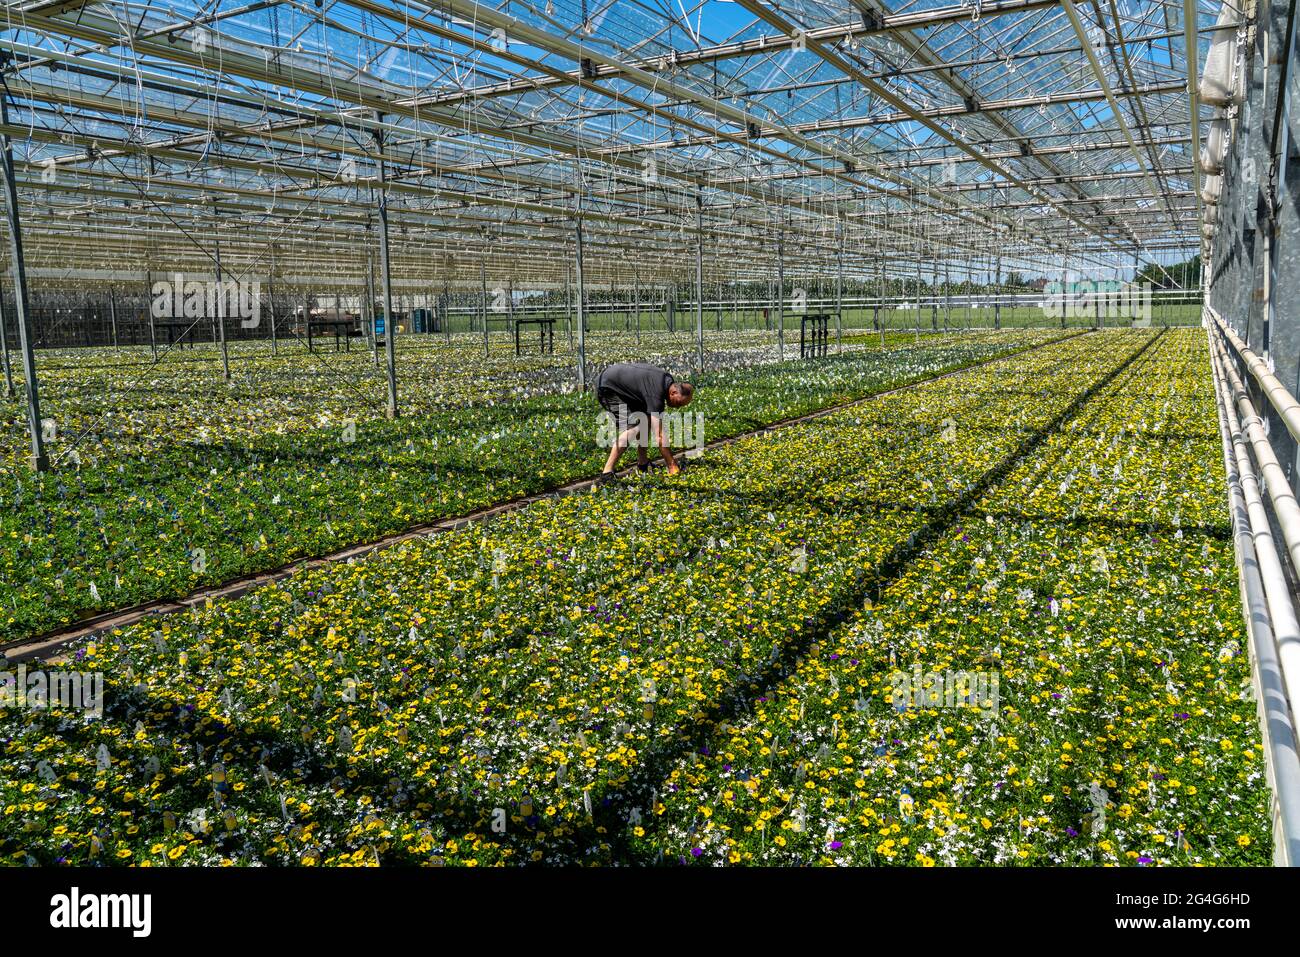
(1283, 402)
(1270, 620)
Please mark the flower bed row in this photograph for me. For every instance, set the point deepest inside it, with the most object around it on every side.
(1090, 601)
(529, 690)
(135, 528)
(121, 404)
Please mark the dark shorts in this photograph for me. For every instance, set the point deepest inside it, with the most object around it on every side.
(612, 404)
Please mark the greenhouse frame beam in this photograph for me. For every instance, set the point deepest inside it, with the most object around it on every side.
(920, 51)
(972, 108)
(410, 108)
(778, 21)
(562, 47)
(40, 461)
(108, 104)
(414, 217)
(1192, 54)
(562, 123)
(390, 319)
(768, 44)
(1100, 74)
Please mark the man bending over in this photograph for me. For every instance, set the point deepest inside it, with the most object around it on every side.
(626, 388)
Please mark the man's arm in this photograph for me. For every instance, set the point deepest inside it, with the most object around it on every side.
(661, 440)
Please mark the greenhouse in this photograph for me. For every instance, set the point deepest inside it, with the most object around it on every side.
(953, 346)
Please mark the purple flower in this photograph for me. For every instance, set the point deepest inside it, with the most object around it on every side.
(697, 851)
(836, 845)
(1072, 832)
(1146, 860)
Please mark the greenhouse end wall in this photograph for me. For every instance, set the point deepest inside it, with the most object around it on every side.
(1254, 271)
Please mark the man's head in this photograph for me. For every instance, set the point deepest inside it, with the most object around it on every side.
(680, 394)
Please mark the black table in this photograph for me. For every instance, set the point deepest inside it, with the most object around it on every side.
(177, 329)
(342, 328)
(814, 335)
(546, 331)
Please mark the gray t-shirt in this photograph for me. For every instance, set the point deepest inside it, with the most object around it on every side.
(639, 386)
